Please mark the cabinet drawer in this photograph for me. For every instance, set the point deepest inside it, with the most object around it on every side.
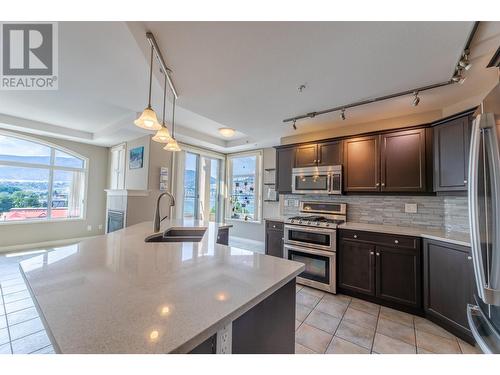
(381, 238)
(274, 225)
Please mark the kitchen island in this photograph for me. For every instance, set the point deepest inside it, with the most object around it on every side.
(116, 293)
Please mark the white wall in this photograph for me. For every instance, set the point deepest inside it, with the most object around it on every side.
(137, 179)
(26, 233)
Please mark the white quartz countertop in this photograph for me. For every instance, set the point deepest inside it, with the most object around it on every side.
(457, 238)
(117, 294)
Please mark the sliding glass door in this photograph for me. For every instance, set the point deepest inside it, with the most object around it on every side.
(202, 187)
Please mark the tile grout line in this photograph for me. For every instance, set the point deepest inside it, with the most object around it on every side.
(376, 326)
(340, 322)
(6, 320)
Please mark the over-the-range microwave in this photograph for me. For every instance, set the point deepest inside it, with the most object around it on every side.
(317, 180)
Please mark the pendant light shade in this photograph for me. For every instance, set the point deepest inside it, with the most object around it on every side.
(163, 135)
(172, 146)
(148, 120)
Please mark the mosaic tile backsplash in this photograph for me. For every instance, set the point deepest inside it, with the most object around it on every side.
(448, 213)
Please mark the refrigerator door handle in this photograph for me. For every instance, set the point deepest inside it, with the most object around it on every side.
(484, 125)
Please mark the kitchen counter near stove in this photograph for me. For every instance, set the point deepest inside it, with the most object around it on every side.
(457, 238)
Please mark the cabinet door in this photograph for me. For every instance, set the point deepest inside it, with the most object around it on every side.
(448, 283)
(403, 161)
(306, 156)
(362, 162)
(285, 158)
(399, 275)
(356, 266)
(274, 239)
(330, 153)
(451, 155)
(223, 236)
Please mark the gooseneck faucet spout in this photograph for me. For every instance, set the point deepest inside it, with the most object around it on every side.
(157, 220)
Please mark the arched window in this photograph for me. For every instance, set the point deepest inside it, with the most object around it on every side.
(40, 181)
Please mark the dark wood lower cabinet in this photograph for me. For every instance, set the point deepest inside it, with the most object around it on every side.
(448, 286)
(399, 275)
(356, 266)
(274, 238)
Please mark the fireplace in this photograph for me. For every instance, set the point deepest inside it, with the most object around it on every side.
(115, 220)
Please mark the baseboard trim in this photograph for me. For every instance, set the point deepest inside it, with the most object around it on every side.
(41, 245)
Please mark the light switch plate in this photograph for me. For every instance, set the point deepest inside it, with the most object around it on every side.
(411, 208)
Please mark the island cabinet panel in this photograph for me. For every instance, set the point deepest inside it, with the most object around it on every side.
(399, 276)
(269, 327)
(285, 159)
(330, 153)
(451, 154)
(274, 238)
(306, 156)
(356, 269)
(209, 346)
(223, 236)
(403, 161)
(448, 286)
(362, 164)
(384, 268)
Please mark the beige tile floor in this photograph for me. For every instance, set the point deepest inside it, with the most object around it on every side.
(338, 324)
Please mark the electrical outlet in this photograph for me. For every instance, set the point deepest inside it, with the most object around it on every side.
(411, 208)
(89, 228)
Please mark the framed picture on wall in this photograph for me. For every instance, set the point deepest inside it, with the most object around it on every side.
(136, 159)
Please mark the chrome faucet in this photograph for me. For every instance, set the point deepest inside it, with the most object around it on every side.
(157, 219)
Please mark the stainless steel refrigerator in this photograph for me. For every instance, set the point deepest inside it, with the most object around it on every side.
(484, 218)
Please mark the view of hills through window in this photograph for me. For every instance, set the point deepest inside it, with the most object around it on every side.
(38, 181)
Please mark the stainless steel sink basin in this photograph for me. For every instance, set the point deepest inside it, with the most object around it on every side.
(178, 235)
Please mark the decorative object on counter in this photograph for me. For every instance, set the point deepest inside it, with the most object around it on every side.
(163, 135)
(148, 120)
(136, 159)
(172, 145)
(163, 178)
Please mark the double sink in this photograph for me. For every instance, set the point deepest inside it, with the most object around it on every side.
(178, 235)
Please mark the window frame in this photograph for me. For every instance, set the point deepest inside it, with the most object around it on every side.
(259, 154)
(51, 167)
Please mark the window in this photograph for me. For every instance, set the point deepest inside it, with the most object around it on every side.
(39, 181)
(244, 172)
(117, 179)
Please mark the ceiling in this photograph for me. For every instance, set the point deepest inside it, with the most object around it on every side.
(246, 75)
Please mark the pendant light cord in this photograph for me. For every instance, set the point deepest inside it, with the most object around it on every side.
(150, 76)
(173, 117)
(164, 99)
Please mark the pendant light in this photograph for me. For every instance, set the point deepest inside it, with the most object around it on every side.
(148, 120)
(172, 145)
(163, 135)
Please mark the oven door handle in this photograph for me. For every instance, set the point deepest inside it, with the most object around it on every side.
(311, 229)
(309, 250)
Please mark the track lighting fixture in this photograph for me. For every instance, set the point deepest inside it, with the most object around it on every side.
(148, 120)
(342, 114)
(294, 126)
(172, 145)
(163, 135)
(458, 77)
(416, 99)
(464, 61)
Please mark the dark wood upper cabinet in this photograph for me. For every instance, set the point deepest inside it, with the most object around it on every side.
(448, 285)
(362, 164)
(399, 276)
(451, 154)
(403, 161)
(330, 153)
(285, 159)
(306, 156)
(356, 266)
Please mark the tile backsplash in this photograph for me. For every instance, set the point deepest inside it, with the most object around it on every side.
(448, 213)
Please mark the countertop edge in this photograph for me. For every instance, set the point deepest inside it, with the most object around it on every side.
(210, 331)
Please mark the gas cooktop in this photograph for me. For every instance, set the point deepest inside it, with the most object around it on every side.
(314, 220)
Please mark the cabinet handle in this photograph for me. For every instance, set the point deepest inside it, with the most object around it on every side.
(469, 257)
(372, 253)
(377, 184)
(465, 182)
(274, 226)
(383, 183)
(396, 241)
(355, 236)
(378, 254)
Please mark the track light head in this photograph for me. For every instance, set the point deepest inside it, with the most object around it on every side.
(458, 77)
(342, 114)
(294, 126)
(416, 99)
(464, 61)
